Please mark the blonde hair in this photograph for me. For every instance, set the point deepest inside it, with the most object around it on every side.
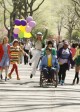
(4, 39)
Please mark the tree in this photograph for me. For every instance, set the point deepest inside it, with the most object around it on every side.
(19, 9)
(76, 4)
(70, 20)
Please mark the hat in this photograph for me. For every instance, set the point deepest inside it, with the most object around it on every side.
(39, 33)
(15, 40)
(66, 42)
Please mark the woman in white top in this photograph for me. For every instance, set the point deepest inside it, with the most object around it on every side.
(38, 46)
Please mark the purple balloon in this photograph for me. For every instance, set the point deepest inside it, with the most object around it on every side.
(17, 22)
(15, 35)
(23, 22)
(32, 24)
(29, 18)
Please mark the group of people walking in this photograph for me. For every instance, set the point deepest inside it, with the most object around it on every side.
(44, 55)
(10, 55)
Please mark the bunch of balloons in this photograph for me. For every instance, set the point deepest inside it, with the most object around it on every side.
(23, 27)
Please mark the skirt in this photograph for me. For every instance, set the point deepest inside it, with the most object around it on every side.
(77, 61)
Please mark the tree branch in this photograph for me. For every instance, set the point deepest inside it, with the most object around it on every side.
(3, 5)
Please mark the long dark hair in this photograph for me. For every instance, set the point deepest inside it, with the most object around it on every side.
(50, 42)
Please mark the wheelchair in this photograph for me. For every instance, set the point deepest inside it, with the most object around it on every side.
(51, 81)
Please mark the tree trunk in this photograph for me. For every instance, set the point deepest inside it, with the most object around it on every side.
(70, 35)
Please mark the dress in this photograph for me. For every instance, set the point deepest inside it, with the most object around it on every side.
(5, 59)
(77, 57)
(15, 53)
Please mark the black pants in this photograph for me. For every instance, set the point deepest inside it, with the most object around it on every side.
(25, 57)
(62, 72)
(76, 76)
(48, 72)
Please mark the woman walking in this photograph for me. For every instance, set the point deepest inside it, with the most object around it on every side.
(15, 51)
(4, 57)
(77, 65)
(64, 58)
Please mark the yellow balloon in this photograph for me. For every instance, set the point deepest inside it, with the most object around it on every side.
(17, 26)
(27, 35)
(22, 28)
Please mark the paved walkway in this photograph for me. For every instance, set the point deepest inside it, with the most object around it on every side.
(27, 96)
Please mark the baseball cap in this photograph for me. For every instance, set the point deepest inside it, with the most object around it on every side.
(39, 33)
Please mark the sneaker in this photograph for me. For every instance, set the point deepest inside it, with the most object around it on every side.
(31, 75)
(73, 82)
(5, 78)
(18, 78)
(59, 82)
(77, 81)
(9, 75)
(30, 64)
(62, 82)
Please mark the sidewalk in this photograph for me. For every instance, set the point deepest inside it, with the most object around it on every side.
(27, 96)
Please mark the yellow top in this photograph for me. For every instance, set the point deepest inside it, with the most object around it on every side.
(77, 53)
(49, 60)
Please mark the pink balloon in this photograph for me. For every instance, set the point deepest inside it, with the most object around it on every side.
(29, 18)
(16, 30)
(28, 29)
(32, 24)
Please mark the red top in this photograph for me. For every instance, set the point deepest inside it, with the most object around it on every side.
(73, 51)
(2, 51)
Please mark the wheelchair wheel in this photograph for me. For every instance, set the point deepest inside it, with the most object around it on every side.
(56, 79)
(41, 80)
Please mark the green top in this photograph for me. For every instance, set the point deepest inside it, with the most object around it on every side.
(53, 51)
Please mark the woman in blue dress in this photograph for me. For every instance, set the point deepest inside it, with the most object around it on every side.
(4, 57)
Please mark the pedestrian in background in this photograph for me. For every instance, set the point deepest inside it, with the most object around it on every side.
(77, 65)
(27, 47)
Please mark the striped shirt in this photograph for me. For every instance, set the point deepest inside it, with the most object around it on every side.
(15, 53)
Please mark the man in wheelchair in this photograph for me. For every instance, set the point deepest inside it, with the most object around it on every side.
(49, 65)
